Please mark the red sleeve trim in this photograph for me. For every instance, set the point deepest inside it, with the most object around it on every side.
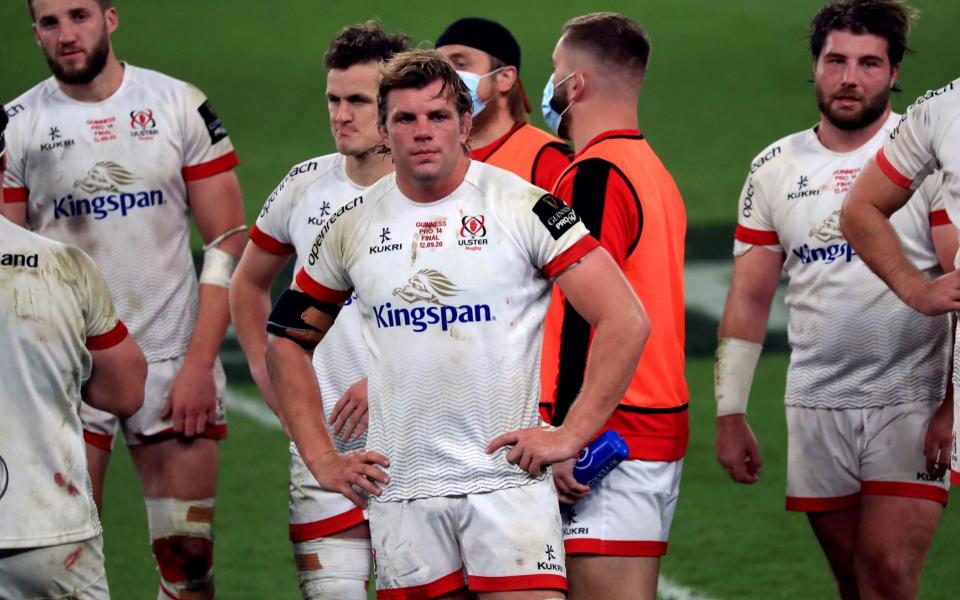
(108, 339)
(921, 491)
(319, 291)
(939, 217)
(102, 441)
(822, 504)
(516, 583)
(571, 255)
(209, 169)
(441, 587)
(15, 194)
(271, 245)
(304, 532)
(613, 548)
(757, 237)
(891, 171)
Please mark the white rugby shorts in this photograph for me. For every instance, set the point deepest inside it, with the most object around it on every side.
(73, 570)
(146, 426)
(628, 514)
(505, 540)
(314, 511)
(835, 456)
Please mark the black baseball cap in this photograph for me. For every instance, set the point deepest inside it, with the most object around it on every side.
(490, 37)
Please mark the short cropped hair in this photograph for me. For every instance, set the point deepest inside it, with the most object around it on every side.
(611, 38)
(363, 43)
(889, 19)
(417, 69)
(104, 6)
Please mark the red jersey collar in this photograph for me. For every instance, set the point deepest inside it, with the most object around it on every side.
(482, 154)
(613, 133)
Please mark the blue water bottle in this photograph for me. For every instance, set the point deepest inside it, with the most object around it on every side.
(600, 457)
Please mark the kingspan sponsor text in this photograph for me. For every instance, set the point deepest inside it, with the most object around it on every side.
(827, 254)
(102, 206)
(422, 317)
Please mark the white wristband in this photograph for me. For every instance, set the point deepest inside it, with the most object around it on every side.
(733, 368)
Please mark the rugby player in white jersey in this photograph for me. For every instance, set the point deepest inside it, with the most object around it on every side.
(62, 341)
(330, 535)
(115, 159)
(453, 317)
(926, 139)
(866, 412)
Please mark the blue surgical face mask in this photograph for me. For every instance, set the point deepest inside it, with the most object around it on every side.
(472, 81)
(550, 114)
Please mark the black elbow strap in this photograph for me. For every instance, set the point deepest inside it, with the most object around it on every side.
(301, 318)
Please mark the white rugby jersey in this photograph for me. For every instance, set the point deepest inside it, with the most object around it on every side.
(54, 309)
(854, 344)
(928, 139)
(453, 295)
(288, 223)
(110, 177)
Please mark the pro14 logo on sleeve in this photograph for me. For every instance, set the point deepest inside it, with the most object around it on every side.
(214, 125)
(555, 215)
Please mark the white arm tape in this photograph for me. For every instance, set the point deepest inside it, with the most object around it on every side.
(733, 368)
(218, 267)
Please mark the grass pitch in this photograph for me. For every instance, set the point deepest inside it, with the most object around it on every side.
(729, 541)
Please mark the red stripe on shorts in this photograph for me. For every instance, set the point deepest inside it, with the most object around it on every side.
(445, 585)
(905, 490)
(98, 440)
(212, 432)
(822, 504)
(304, 532)
(613, 547)
(517, 583)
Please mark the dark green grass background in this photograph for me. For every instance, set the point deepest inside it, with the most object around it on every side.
(726, 79)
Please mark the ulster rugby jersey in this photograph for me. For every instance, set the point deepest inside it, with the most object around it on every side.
(110, 177)
(453, 295)
(54, 309)
(854, 343)
(289, 223)
(928, 139)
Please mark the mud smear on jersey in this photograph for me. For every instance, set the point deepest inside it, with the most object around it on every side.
(414, 248)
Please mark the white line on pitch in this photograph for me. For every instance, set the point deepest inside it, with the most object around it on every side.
(253, 407)
(671, 590)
